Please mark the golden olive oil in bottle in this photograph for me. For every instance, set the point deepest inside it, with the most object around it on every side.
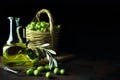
(14, 51)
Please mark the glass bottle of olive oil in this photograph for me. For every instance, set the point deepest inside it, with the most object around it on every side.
(14, 51)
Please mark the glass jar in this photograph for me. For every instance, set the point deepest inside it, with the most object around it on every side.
(14, 51)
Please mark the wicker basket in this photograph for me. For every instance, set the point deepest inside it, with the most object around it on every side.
(38, 38)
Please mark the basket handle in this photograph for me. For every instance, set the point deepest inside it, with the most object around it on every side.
(37, 17)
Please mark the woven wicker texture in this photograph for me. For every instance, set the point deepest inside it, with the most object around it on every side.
(38, 38)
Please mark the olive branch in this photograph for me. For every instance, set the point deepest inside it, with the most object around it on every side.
(41, 52)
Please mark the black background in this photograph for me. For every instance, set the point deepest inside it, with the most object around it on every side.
(89, 27)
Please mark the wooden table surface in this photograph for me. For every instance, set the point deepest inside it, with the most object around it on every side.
(77, 68)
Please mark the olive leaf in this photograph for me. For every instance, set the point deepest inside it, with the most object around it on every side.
(51, 51)
(50, 63)
(55, 62)
(39, 53)
(31, 53)
(27, 42)
(48, 57)
(45, 45)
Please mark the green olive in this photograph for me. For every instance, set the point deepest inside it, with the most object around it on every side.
(42, 29)
(38, 23)
(37, 27)
(31, 27)
(35, 62)
(48, 74)
(62, 71)
(43, 23)
(33, 23)
(47, 67)
(30, 71)
(56, 70)
(36, 72)
(40, 68)
(58, 27)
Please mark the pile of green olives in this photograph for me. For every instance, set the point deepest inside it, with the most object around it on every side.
(41, 26)
(48, 72)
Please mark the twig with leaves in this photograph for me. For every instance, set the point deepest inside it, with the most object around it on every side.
(41, 52)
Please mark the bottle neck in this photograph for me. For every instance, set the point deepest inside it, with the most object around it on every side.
(13, 35)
